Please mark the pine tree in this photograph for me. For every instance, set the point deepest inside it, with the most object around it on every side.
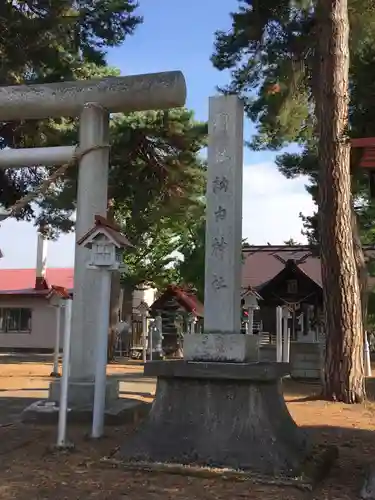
(343, 377)
(52, 41)
(271, 51)
(156, 175)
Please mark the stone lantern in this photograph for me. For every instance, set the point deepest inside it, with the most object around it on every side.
(251, 303)
(106, 244)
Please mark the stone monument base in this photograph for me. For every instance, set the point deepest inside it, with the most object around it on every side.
(219, 415)
(80, 405)
(121, 411)
(81, 393)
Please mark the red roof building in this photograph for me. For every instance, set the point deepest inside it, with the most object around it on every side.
(22, 281)
(27, 320)
(185, 299)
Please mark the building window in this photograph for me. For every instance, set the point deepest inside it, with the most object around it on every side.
(15, 320)
(292, 286)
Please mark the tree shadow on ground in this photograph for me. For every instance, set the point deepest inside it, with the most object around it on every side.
(44, 478)
(12, 407)
(356, 454)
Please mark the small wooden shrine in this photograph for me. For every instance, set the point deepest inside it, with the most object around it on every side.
(178, 307)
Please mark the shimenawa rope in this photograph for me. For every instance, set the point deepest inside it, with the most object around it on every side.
(45, 185)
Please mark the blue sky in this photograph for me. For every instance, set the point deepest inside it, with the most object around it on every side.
(174, 37)
(180, 35)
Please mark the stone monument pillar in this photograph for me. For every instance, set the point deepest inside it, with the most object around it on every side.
(222, 339)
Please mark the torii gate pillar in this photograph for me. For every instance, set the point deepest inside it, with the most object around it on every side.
(92, 196)
(92, 100)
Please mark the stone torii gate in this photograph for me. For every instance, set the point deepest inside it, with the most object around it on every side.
(92, 101)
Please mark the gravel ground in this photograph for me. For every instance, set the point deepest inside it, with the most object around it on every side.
(30, 468)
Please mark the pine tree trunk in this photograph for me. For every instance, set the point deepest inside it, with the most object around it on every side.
(344, 373)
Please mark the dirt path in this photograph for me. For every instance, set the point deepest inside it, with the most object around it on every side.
(24, 380)
(30, 469)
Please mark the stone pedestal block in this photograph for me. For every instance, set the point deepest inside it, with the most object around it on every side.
(81, 393)
(229, 347)
(222, 415)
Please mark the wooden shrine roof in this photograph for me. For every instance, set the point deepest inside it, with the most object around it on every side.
(262, 263)
(184, 298)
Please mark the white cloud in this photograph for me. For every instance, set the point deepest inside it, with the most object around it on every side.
(18, 242)
(271, 205)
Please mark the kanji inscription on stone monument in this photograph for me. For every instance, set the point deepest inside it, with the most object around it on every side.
(220, 184)
(220, 123)
(220, 213)
(218, 247)
(224, 216)
(218, 282)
